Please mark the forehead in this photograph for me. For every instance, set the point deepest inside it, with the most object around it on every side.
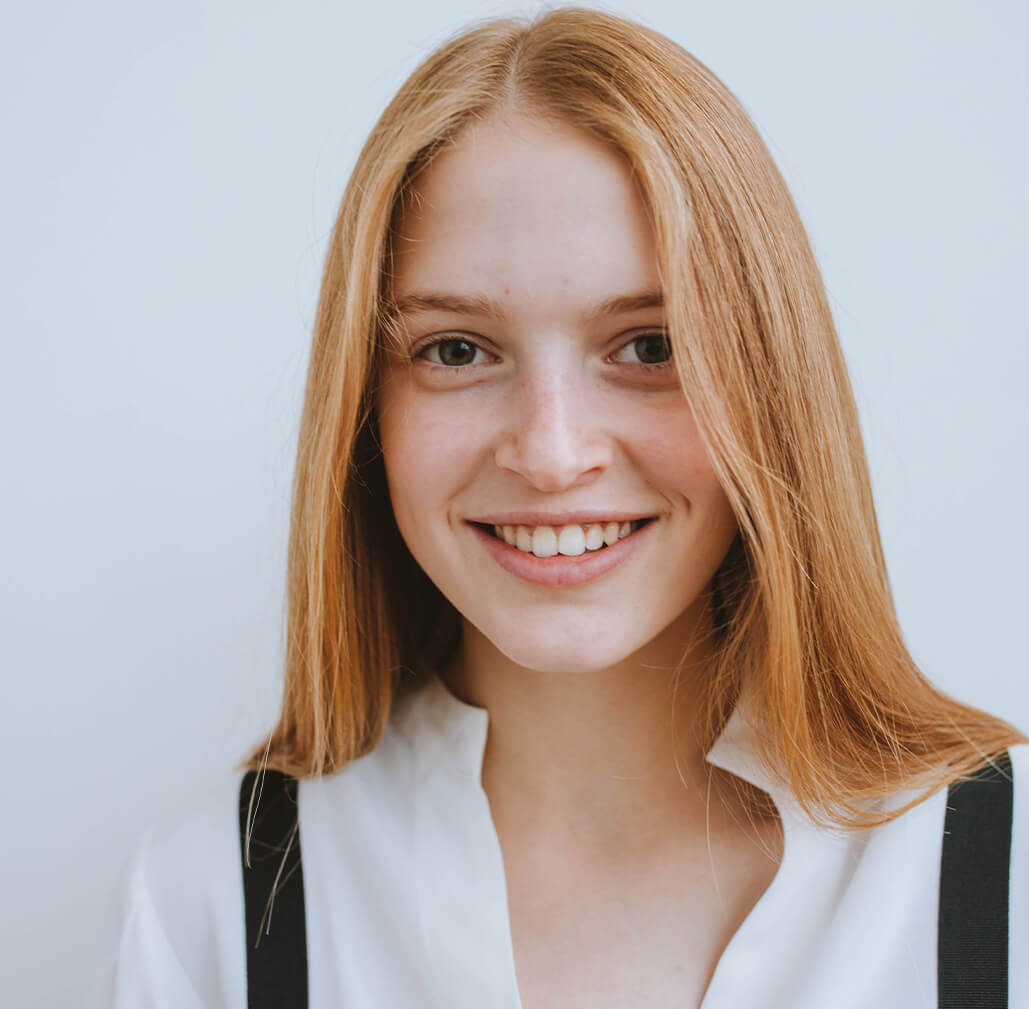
(527, 209)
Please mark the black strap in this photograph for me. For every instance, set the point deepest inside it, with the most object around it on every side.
(972, 957)
(972, 951)
(273, 891)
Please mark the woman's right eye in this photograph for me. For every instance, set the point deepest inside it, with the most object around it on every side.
(453, 352)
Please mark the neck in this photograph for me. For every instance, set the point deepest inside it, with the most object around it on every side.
(609, 754)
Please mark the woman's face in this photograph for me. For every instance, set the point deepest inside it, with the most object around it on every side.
(532, 390)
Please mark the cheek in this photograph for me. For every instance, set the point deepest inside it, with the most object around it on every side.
(426, 452)
(671, 454)
(673, 459)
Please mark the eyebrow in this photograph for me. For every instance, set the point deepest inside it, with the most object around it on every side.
(459, 304)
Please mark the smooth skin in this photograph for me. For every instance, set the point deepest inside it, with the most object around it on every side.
(629, 860)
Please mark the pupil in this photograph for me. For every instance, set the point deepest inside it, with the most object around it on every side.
(654, 348)
(456, 352)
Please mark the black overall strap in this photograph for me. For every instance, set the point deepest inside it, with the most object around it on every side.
(273, 891)
(972, 957)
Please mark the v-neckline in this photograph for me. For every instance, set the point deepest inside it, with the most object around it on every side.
(469, 897)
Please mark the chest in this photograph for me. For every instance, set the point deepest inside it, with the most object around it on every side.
(647, 934)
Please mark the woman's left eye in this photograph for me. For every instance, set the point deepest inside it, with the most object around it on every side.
(453, 352)
(653, 349)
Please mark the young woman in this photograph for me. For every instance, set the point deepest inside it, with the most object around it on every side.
(595, 691)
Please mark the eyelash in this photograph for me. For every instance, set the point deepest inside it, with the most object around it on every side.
(421, 349)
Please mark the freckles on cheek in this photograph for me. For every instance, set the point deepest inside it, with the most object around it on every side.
(427, 453)
(670, 450)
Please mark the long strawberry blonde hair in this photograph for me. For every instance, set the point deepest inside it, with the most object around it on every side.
(803, 610)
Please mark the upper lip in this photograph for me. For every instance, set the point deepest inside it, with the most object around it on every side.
(571, 518)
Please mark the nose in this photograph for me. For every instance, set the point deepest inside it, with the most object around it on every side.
(554, 436)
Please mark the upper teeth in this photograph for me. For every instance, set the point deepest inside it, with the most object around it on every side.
(546, 541)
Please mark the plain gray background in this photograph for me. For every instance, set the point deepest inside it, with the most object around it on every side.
(170, 174)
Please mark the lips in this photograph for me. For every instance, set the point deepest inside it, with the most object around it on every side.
(567, 540)
(561, 570)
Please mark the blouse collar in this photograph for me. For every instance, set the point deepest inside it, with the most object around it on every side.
(454, 734)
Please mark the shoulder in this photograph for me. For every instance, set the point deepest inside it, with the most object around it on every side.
(901, 859)
(931, 813)
(194, 853)
(181, 933)
(183, 938)
(189, 867)
(191, 863)
(200, 833)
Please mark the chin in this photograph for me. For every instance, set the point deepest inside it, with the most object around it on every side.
(583, 650)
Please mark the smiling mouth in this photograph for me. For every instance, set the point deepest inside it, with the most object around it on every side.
(564, 541)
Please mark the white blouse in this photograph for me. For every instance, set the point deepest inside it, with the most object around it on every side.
(406, 903)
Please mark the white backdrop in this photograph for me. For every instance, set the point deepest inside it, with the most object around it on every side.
(170, 173)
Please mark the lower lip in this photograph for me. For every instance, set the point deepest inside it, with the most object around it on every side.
(560, 571)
